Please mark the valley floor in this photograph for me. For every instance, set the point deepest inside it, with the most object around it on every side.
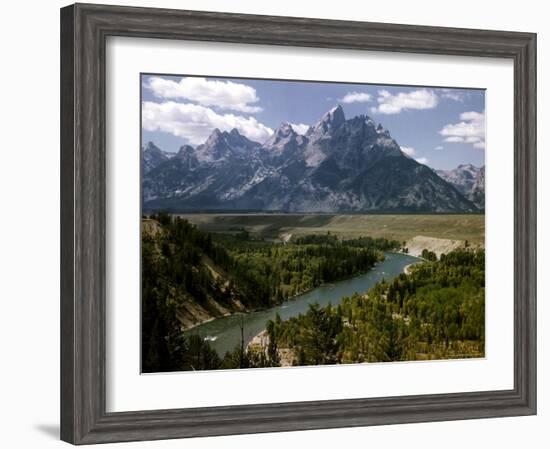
(228, 265)
(470, 227)
(438, 233)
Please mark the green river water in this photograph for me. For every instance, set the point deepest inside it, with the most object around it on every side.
(225, 333)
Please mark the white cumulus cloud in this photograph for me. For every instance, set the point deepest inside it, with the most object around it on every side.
(454, 139)
(439, 147)
(470, 129)
(195, 123)
(395, 103)
(480, 145)
(299, 128)
(409, 151)
(451, 94)
(356, 97)
(214, 93)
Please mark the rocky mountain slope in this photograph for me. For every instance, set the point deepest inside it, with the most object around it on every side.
(339, 166)
(469, 180)
(152, 156)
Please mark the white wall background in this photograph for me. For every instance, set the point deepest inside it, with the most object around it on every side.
(29, 227)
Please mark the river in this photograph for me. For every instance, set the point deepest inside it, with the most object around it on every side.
(225, 333)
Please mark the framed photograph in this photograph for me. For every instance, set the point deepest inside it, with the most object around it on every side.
(273, 224)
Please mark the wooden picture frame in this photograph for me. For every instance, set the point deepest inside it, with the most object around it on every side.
(84, 29)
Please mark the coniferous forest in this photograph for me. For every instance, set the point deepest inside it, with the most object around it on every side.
(435, 311)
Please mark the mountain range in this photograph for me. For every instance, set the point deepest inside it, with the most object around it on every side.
(469, 180)
(338, 166)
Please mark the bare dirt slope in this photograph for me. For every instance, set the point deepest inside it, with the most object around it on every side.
(439, 246)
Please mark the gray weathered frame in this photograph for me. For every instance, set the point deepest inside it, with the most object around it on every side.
(84, 29)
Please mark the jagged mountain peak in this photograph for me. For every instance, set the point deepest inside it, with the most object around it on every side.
(468, 180)
(335, 111)
(340, 165)
(152, 156)
(460, 173)
(283, 132)
(222, 145)
(185, 150)
(217, 133)
(368, 120)
(470, 167)
(228, 136)
(361, 123)
(330, 121)
(335, 117)
(150, 147)
(213, 139)
(284, 141)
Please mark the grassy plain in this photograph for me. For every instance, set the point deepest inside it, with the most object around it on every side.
(398, 227)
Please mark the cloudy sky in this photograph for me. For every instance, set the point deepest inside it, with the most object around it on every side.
(440, 127)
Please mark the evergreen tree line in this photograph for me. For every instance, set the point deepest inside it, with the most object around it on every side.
(435, 312)
(177, 262)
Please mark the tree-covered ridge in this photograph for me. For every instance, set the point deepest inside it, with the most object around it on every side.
(184, 268)
(285, 270)
(436, 312)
